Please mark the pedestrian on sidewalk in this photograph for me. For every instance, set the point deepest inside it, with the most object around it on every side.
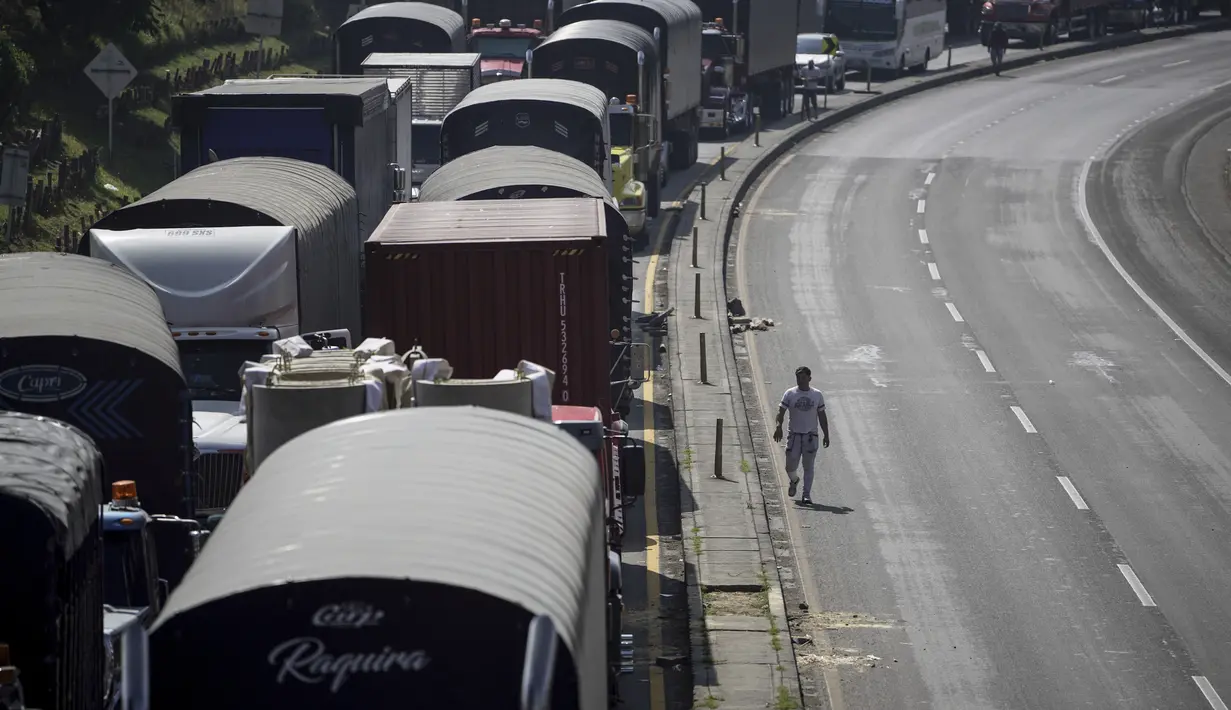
(808, 422)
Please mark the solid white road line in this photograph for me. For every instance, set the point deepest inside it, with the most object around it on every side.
(923, 236)
(930, 178)
(1114, 78)
(1083, 211)
(920, 207)
(985, 360)
(1176, 64)
(1073, 494)
(934, 271)
(1210, 694)
(953, 312)
(1138, 588)
(1025, 420)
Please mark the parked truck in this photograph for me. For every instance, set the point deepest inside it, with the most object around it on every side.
(519, 172)
(503, 46)
(675, 26)
(621, 61)
(343, 124)
(399, 597)
(396, 27)
(86, 342)
(1042, 22)
(241, 253)
(749, 46)
(438, 83)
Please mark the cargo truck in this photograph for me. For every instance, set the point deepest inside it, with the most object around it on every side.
(749, 47)
(86, 342)
(241, 253)
(343, 124)
(675, 26)
(503, 46)
(621, 61)
(51, 599)
(517, 172)
(1043, 22)
(438, 83)
(396, 27)
(385, 579)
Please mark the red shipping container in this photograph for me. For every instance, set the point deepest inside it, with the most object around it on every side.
(486, 283)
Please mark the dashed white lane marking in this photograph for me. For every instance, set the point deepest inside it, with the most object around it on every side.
(1114, 78)
(1083, 211)
(987, 363)
(1211, 695)
(953, 312)
(1138, 588)
(1073, 494)
(923, 236)
(1176, 64)
(935, 272)
(1025, 420)
(929, 179)
(921, 206)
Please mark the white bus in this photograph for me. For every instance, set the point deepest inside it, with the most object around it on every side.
(888, 34)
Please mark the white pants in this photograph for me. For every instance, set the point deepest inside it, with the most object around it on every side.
(802, 447)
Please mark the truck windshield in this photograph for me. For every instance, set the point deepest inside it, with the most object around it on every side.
(713, 46)
(873, 22)
(508, 47)
(425, 143)
(124, 569)
(621, 129)
(212, 366)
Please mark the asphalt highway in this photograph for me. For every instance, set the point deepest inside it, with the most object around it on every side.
(1022, 333)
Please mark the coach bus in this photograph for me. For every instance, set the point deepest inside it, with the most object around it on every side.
(888, 34)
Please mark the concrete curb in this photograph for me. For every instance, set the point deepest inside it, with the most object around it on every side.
(750, 426)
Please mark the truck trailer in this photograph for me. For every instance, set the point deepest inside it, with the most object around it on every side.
(489, 282)
(753, 43)
(370, 591)
(519, 172)
(676, 27)
(86, 342)
(438, 83)
(51, 600)
(241, 253)
(396, 27)
(621, 61)
(340, 123)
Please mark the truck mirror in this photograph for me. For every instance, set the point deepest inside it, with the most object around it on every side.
(164, 591)
(640, 59)
(639, 362)
(539, 671)
(399, 177)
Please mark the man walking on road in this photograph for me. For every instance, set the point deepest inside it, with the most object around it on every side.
(997, 43)
(807, 407)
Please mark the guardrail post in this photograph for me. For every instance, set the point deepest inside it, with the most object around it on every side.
(868, 87)
(694, 248)
(696, 313)
(950, 64)
(722, 162)
(705, 375)
(702, 200)
(756, 139)
(718, 449)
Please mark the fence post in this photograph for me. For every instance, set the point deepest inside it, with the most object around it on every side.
(703, 200)
(696, 304)
(694, 248)
(718, 449)
(705, 375)
(722, 162)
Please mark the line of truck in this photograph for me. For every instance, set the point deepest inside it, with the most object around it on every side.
(293, 220)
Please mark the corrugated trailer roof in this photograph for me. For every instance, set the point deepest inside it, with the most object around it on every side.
(443, 17)
(494, 502)
(54, 467)
(245, 192)
(571, 93)
(47, 294)
(346, 100)
(506, 166)
(421, 59)
(621, 33)
(414, 223)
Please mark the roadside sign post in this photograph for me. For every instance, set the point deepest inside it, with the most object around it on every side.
(111, 72)
(264, 19)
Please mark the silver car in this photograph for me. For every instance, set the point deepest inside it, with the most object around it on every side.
(826, 52)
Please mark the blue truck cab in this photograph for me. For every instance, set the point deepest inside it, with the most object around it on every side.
(130, 559)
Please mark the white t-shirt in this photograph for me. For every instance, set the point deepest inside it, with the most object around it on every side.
(803, 406)
(811, 76)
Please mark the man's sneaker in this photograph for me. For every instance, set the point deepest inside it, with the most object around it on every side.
(805, 501)
(790, 492)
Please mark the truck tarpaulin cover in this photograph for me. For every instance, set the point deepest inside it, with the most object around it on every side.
(603, 54)
(566, 116)
(679, 42)
(85, 341)
(396, 27)
(383, 560)
(51, 560)
(488, 283)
